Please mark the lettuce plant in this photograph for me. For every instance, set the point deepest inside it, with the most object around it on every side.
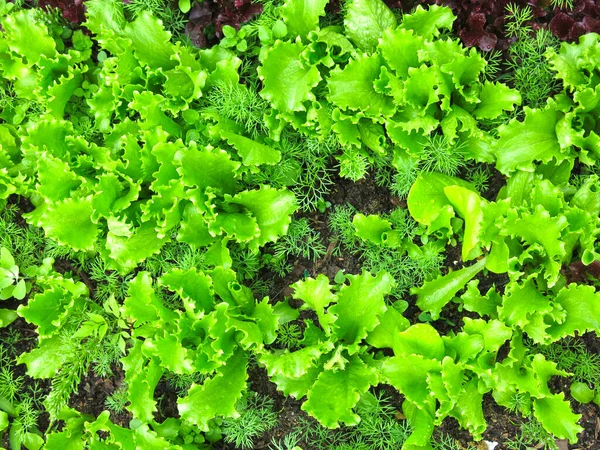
(332, 368)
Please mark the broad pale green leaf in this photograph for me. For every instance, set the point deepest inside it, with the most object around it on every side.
(272, 209)
(267, 320)
(494, 99)
(539, 227)
(3, 421)
(365, 21)
(371, 228)
(424, 87)
(205, 169)
(45, 360)
(420, 418)
(141, 375)
(360, 306)
(253, 153)
(128, 252)
(302, 16)
(335, 394)
(494, 332)
(427, 201)
(533, 140)
(400, 49)
(218, 395)
(316, 294)
(468, 410)
(48, 310)
(555, 414)
(56, 178)
(142, 304)
(419, 339)
(521, 302)
(434, 295)
(27, 37)
(7, 316)
(173, 355)
(193, 286)
(151, 42)
(572, 59)
(582, 307)
(293, 364)
(409, 375)
(390, 324)
(288, 80)
(428, 23)
(468, 205)
(353, 87)
(61, 219)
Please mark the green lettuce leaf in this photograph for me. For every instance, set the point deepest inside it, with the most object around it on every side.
(494, 99)
(218, 395)
(353, 87)
(523, 143)
(555, 414)
(288, 80)
(334, 394)
(365, 21)
(302, 16)
(359, 307)
(434, 295)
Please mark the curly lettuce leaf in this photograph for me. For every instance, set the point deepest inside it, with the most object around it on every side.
(359, 307)
(434, 295)
(494, 99)
(365, 22)
(555, 414)
(428, 23)
(69, 223)
(272, 208)
(523, 143)
(353, 87)
(218, 395)
(288, 80)
(302, 16)
(335, 394)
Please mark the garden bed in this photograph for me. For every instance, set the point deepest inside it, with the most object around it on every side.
(299, 224)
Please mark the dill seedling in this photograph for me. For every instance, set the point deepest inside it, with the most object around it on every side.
(529, 69)
(182, 382)
(493, 66)
(340, 223)
(353, 165)
(479, 177)
(239, 103)
(10, 386)
(564, 4)
(245, 262)
(256, 417)
(118, 400)
(171, 16)
(289, 442)
(532, 434)
(516, 20)
(407, 171)
(441, 155)
(289, 335)
(301, 240)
